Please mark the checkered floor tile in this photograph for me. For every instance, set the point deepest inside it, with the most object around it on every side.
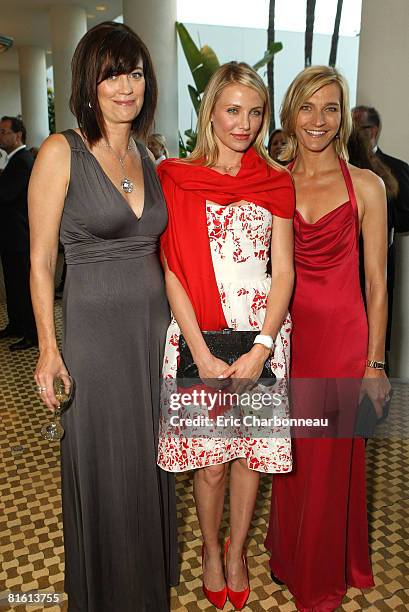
(31, 540)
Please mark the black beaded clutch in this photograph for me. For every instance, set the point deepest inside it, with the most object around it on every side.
(367, 419)
(227, 345)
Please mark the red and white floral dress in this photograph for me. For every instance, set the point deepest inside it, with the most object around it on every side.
(240, 236)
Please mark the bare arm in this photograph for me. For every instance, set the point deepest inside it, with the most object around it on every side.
(250, 365)
(282, 275)
(47, 190)
(374, 233)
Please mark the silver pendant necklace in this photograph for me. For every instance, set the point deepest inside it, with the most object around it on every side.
(126, 183)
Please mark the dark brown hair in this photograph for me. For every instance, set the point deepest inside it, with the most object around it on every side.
(362, 156)
(374, 117)
(16, 126)
(109, 49)
(270, 139)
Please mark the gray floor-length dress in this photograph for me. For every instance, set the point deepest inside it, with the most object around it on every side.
(119, 509)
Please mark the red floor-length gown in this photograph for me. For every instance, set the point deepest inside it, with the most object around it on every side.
(318, 533)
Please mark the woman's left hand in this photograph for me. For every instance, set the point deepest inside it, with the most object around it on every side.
(376, 385)
(246, 370)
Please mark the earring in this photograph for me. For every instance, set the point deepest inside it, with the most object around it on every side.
(89, 104)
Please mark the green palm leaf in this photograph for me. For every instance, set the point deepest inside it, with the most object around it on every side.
(202, 62)
(210, 64)
(191, 51)
(268, 55)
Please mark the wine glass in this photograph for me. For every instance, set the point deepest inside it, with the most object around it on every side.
(54, 430)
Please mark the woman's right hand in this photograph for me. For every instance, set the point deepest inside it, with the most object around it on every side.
(211, 368)
(49, 367)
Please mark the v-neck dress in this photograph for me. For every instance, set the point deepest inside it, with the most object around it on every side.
(119, 511)
(318, 532)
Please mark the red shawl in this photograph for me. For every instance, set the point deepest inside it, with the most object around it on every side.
(185, 242)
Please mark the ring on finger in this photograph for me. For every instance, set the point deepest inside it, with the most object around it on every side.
(41, 389)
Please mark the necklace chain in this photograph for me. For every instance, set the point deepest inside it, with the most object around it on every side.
(226, 167)
(126, 183)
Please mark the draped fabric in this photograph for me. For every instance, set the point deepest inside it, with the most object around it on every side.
(118, 507)
(187, 188)
(318, 532)
(93, 251)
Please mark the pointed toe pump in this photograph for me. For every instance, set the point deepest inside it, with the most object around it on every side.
(237, 598)
(217, 598)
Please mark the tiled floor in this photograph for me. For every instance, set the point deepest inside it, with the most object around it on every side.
(31, 544)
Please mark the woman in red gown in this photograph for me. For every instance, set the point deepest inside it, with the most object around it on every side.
(318, 535)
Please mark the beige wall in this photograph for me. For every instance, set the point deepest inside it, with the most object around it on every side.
(383, 82)
(383, 68)
(10, 102)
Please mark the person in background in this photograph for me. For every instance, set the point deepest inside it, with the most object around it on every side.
(97, 189)
(318, 532)
(230, 210)
(14, 234)
(368, 121)
(276, 143)
(362, 156)
(157, 145)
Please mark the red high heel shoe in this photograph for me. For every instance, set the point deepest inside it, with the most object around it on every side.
(237, 598)
(217, 598)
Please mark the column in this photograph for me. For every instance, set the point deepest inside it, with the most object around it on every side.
(68, 26)
(10, 93)
(33, 87)
(382, 84)
(154, 22)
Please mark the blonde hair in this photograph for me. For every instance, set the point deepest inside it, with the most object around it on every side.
(159, 141)
(305, 85)
(234, 72)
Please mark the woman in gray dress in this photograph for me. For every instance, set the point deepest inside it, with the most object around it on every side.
(96, 190)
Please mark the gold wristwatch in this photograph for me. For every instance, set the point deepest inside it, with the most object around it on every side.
(377, 365)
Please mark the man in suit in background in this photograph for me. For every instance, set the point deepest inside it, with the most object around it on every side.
(14, 234)
(368, 120)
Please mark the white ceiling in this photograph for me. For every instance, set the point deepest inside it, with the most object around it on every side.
(27, 21)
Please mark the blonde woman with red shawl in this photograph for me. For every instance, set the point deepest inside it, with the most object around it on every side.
(230, 211)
